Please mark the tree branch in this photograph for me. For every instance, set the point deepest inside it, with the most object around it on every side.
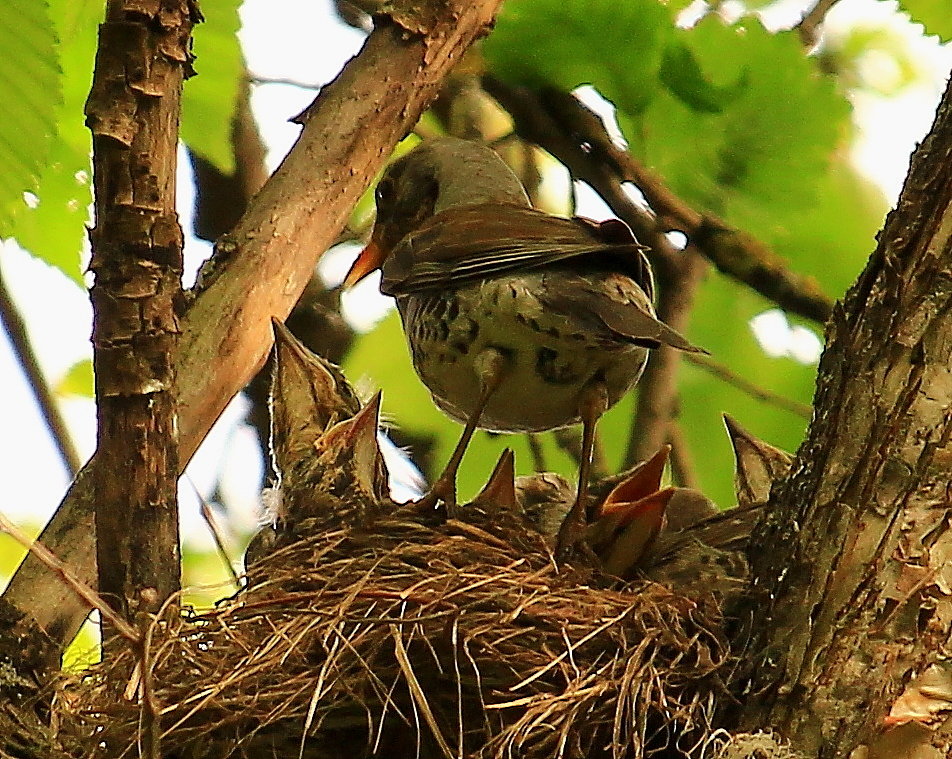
(561, 124)
(16, 330)
(260, 268)
(133, 113)
(809, 26)
(847, 564)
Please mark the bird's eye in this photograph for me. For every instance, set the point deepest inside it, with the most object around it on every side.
(384, 192)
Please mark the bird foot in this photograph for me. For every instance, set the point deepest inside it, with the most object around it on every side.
(571, 537)
(440, 498)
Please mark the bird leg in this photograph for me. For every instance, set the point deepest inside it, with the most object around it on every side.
(490, 367)
(593, 402)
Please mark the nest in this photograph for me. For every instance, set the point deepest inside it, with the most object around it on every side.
(397, 638)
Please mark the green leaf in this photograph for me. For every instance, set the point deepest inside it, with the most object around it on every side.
(934, 15)
(759, 161)
(835, 238)
(616, 47)
(209, 99)
(78, 380)
(682, 75)
(55, 230)
(31, 92)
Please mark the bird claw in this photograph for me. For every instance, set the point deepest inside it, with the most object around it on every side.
(571, 538)
(440, 498)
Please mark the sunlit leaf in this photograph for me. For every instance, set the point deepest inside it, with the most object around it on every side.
(55, 229)
(617, 47)
(769, 148)
(208, 101)
(934, 15)
(31, 92)
(78, 380)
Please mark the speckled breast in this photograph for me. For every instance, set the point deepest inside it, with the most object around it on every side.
(552, 354)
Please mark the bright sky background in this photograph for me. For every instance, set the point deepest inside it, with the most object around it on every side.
(302, 40)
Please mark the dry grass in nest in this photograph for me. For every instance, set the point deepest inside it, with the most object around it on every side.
(400, 639)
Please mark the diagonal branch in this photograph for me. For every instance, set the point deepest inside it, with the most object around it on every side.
(809, 26)
(561, 124)
(260, 268)
(15, 328)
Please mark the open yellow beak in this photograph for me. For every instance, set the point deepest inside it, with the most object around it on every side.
(370, 259)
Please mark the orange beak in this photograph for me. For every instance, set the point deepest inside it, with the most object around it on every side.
(370, 259)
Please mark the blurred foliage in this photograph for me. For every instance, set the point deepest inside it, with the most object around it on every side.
(32, 93)
(77, 380)
(44, 143)
(208, 100)
(934, 15)
(872, 58)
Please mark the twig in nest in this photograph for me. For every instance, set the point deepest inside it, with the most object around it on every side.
(746, 386)
(217, 535)
(87, 594)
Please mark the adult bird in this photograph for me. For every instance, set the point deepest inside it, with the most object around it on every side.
(517, 320)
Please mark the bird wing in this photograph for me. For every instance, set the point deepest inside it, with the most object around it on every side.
(463, 245)
(610, 305)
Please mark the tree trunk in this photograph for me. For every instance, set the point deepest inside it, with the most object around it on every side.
(851, 567)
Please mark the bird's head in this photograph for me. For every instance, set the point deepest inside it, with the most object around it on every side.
(438, 174)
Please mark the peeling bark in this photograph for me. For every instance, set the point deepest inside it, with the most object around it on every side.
(133, 113)
(852, 565)
(260, 269)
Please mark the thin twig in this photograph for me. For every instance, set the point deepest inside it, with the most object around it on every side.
(561, 124)
(682, 463)
(255, 79)
(809, 26)
(746, 386)
(150, 726)
(217, 535)
(16, 329)
(89, 596)
(417, 692)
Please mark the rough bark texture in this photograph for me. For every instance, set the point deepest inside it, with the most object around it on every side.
(852, 566)
(133, 112)
(261, 268)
